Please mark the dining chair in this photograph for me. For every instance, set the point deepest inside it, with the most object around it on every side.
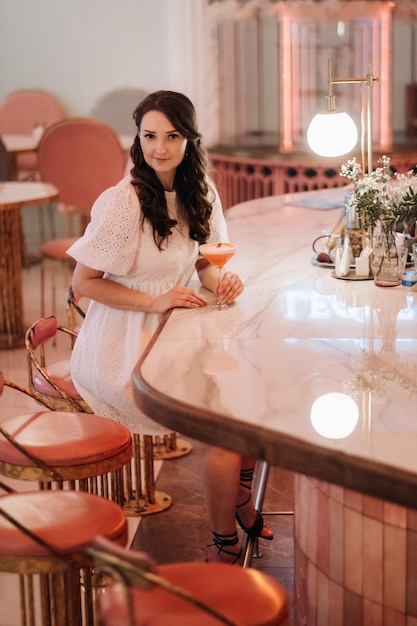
(20, 113)
(116, 108)
(29, 112)
(81, 157)
(43, 540)
(202, 594)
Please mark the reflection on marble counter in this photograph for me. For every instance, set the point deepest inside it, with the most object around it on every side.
(248, 377)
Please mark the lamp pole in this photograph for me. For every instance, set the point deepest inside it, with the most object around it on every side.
(368, 82)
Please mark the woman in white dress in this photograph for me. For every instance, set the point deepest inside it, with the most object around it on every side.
(134, 262)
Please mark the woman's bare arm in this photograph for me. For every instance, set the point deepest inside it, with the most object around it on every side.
(89, 283)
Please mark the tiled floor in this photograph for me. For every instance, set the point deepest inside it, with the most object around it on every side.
(179, 533)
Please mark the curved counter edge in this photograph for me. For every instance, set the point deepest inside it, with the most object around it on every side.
(374, 479)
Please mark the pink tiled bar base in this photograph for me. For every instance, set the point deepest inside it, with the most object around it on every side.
(355, 558)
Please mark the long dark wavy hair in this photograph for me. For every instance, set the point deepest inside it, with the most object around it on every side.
(193, 191)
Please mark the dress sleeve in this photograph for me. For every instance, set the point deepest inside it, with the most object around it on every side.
(218, 228)
(111, 239)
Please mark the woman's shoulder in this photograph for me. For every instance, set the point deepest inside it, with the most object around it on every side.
(121, 191)
(119, 203)
(124, 186)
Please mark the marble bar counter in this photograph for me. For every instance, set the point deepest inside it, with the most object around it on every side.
(247, 379)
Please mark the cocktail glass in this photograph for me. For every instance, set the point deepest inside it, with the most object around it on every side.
(218, 254)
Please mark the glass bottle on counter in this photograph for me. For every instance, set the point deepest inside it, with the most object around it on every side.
(353, 226)
(343, 257)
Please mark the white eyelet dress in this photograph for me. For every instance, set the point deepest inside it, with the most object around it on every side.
(111, 340)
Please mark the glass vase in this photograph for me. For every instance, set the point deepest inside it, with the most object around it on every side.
(388, 259)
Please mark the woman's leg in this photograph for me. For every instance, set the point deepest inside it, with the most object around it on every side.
(220, 472)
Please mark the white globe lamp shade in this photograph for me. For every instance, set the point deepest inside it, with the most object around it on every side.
(334, 415)
(332, 134)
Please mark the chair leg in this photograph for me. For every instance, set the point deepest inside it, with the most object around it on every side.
(55, 265)
(170, 447)
(27, 605)
(141, 497)
(52, 311)
(41, 220)
(42, 273)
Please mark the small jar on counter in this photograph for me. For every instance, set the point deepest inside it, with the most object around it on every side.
(409, 278)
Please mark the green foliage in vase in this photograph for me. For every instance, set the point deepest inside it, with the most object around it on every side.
(382, 198)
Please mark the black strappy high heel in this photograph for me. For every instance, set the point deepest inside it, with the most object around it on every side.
(226, 541)
(246, 476)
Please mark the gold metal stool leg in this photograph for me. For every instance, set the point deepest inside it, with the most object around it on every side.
(141, 497)
(170, 447)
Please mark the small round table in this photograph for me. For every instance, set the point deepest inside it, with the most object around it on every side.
(14, 196)
(18, 144)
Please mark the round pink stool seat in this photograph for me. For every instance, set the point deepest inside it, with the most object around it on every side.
(246, 596)
(61, 375)
(56, 588)
(75, 445)
(67, 520)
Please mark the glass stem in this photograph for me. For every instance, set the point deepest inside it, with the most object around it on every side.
(218, 285)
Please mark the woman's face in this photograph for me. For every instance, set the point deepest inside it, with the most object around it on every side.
(163, 147)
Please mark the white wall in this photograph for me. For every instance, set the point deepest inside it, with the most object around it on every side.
(80, 49)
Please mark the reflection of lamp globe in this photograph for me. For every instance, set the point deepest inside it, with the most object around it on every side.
(332, 134)
(334, 415)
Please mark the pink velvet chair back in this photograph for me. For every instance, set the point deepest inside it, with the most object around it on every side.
(21, 110)
(44, 329)
(82, 157)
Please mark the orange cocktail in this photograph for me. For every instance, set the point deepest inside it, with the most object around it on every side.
(218, 254)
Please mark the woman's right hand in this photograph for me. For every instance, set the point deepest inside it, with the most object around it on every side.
(178, 296)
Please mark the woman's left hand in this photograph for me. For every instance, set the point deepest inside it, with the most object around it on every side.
(230, 287)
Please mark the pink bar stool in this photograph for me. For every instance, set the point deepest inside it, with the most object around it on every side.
(52, 381)
(48, 378)
(79, 451)
(201, 594)
(56, 588)
(74, 450)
